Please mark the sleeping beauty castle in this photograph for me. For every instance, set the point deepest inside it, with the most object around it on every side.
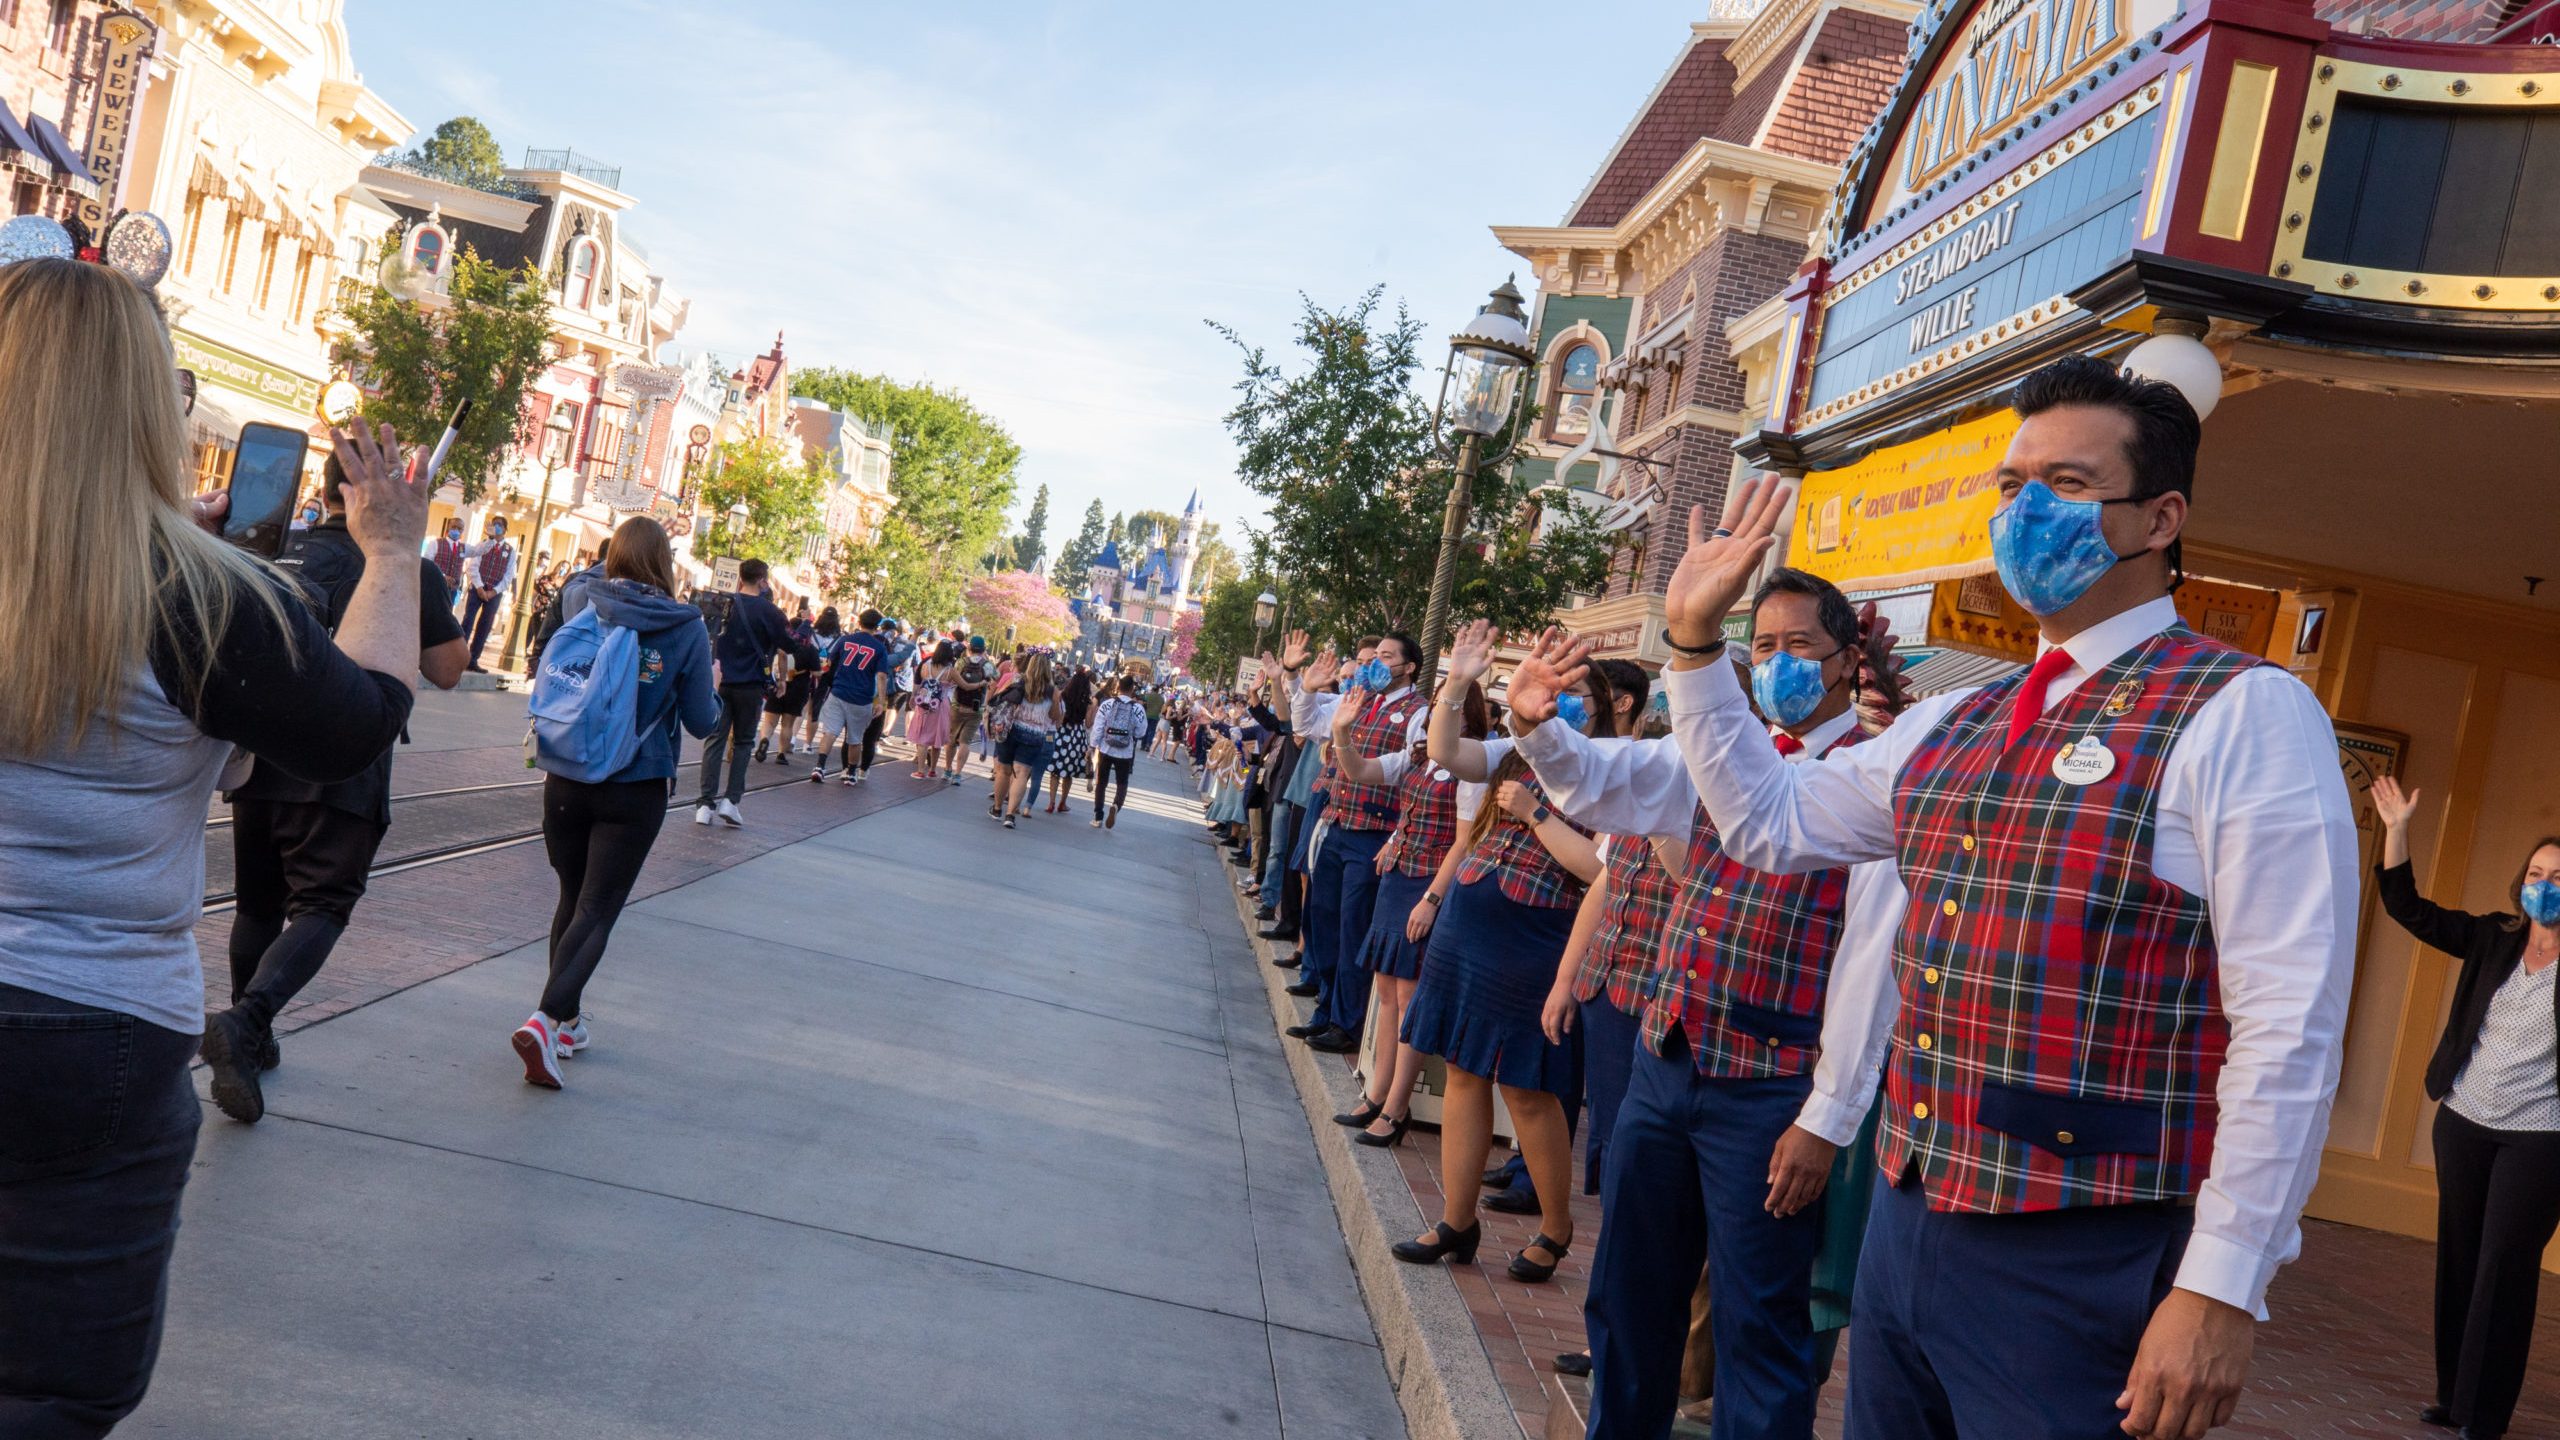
(1128, 610)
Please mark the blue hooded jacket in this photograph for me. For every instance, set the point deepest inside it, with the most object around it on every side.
(675, 665)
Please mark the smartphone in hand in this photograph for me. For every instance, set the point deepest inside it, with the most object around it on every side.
(266, 477)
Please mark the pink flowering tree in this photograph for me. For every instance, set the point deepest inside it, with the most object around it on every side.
(1186, 640)
(1037, 614)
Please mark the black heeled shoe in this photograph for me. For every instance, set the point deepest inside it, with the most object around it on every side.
(1360, 1119)
(1530, 1271)
(1445, 1243)
(1388, 1141)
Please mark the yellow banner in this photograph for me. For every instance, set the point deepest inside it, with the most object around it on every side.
(1917, 512)
(1976, 615)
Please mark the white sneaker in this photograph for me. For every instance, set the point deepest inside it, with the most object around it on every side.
(728, 811)
(539, 1049)
(818, 776)
(701, 814)
(569, 1039)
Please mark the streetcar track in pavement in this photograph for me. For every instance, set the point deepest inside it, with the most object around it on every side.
(218, 902)
(219, 822)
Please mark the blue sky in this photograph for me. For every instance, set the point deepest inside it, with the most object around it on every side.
(1040, 204)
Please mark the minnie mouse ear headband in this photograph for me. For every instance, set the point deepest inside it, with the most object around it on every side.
(135, 243)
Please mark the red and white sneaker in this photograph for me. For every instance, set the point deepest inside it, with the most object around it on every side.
(537, 1047)
(569, 1039)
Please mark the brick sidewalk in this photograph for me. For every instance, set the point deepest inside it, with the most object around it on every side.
(419, 924)
(2348, 1352)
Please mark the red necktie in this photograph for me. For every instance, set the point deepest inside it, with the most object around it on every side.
(2030, 697)
(1787, 744)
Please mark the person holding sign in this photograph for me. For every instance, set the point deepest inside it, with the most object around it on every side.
(2120, 985)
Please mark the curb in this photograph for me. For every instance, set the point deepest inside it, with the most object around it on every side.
(1443, 1379)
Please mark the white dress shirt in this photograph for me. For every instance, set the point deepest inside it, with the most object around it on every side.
(471, 554)
(1311, 712)
(2253, 817)
(1649, 792)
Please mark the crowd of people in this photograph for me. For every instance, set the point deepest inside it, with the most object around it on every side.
(1999, 1026)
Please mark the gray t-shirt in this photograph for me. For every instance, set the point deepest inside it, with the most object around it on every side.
(102, 839)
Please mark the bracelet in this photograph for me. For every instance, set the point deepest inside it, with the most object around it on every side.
(1694, 652)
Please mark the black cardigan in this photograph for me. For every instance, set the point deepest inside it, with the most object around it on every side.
(2484, 944)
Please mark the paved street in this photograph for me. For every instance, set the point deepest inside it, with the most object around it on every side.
(910, 1128)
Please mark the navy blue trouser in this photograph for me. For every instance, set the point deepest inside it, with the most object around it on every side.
(1610, 1039)
(1688, 1176)
(2020, 1326)
(1342, 895)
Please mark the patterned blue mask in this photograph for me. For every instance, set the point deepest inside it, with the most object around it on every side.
(2049, 550)
(2542, 902)
(1573, 710)
(1788, 687)
(1373, 676)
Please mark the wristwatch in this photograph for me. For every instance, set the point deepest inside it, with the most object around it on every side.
(1541, 816)
(1694, 652)
(1431, 898)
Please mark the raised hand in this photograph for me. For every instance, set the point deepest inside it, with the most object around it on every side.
(2392, 804)
(1346, 715)
(1717, 568)
(1322, 671)
(1470, 654)
(386, 508)
(1554, 665)
(1294, 649)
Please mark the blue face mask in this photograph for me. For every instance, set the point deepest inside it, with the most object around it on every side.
(1373, 676)
(1788, 687)
(2542, 902)
(2049, 550)
(1573, 710)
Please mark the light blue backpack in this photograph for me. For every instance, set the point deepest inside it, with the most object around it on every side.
(586, 701)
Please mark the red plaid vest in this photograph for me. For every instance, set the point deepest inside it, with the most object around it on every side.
(1750, 957)
(493, 564)
(1380, 730)
(1427, 820)
(449, 560)
(1512, 854)
(1619, 960)
(2061, 1025)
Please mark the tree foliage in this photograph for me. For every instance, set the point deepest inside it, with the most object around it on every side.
(1034, 540)
(1138, 531)
(462, 149)
(1341, 451)
(1226, 622)
(952, 472)
(1079, 552)
(487, 344)
(1020, 603)
(786, 500)
(1185, 644)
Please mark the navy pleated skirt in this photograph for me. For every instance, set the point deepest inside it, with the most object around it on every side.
(1492, 963)
(1386, 951)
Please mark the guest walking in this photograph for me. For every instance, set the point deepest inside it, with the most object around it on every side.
(1033, 705)
(929, 725)
(1070, 751)
(2497, 1132)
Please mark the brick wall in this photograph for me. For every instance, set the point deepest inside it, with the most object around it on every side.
(35, 80)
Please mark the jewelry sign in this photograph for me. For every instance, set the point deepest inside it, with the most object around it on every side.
(122, 69)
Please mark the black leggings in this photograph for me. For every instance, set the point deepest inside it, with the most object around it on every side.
(1112, 765)
(2497, 1203)
(597, 836)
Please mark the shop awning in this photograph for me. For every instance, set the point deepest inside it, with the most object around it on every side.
(15, 137)
(64, 156)
(1955, 670)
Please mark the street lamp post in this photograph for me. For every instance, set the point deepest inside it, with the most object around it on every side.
(1266, 607)
(1478, 394)
(556, 435)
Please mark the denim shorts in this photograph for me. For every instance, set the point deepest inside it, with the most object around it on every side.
(1023, 747)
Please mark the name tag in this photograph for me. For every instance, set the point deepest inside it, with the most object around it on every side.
(1439, 776)
(1396, 719)
(2084, 761)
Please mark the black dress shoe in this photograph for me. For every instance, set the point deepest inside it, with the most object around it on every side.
(1358, 1119)
(1531, 1272)
(1513, 1202)
(1577, 1363)
(1290, 961)
(1279, 932)
(230, 1051)
(1336, 1041)
(1302, 988)
(1445, 1243)
(1265, 913)
(1301, 1032)
(2437, 1415)
(1390, 1140)
(2474, 1432)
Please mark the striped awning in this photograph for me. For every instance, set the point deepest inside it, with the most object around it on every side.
(1955, 670)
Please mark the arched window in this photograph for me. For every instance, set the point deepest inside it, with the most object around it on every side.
(1577, 392)
(582, 272)
(426, 250)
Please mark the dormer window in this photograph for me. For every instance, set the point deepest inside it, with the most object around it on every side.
(427, 245)
(1577, 390)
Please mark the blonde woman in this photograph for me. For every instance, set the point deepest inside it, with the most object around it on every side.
(1034, 704)
(142, 650)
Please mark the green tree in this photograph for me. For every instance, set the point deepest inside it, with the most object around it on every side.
(1034, 541)
(1079, 552)
(463, 150)
(1226, 622)
(1341, 451)
(953, 470)
(486, 346)
(1216, 560)
(785, 498)
(1138, 531)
